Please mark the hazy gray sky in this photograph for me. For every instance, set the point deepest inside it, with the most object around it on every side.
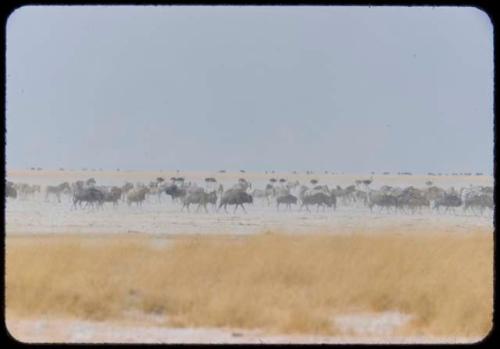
(352, 89)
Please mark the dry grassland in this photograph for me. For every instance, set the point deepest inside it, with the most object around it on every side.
(278, 282)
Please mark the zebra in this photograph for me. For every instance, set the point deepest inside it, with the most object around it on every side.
(57, 190)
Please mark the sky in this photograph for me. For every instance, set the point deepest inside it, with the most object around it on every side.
(195, 88)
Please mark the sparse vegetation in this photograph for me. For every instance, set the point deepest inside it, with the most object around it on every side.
(279, 282)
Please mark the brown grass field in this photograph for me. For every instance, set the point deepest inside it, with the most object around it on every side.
(277, 282)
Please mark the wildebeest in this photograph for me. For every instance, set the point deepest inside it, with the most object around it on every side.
(381, 199)
(287, 199)
(434, 193)
(236, 197)
(76, 186)
(90, 196)
(199, 197)
(412, 203)
(478, 201)
(113, 195)
(412, 199)
(175, 191)
(10, 191)
(137, 195)
(449, 201)
(57, 190)
(319, 198)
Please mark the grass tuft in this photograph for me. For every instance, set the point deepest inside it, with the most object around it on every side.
(283, 283)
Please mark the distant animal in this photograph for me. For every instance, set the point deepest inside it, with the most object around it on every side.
(360, 197)
(449, 201)
(292, 185)
(260, 194)
(319, 199)
(126, 188)
(412, 199)
(25, 190)
(137, 195)
(367, 182)
(175, 191)
(235, 197)
(113, 195)
(381, 199)
(10, 191)
(157, 188)
(266, 193)
(434, 193)
(287, 200)
(220, 189)
(199, 197)
(345, 195)
(57, 190)
(243, 185)
(478, 202)
(210, 182)
(90, 195)
(76, 186)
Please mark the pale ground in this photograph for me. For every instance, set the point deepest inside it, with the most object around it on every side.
(78, 331)
(164, 219)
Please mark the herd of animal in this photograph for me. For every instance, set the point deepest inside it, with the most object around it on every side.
(282, 193)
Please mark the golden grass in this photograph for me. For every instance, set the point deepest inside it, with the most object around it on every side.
(273, 281)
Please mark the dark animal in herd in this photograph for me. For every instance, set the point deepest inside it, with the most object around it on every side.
(137, 196)
(448, 201)
(235, 197)
(320, 200)
(200, 198)
(10, 191)
(114, 195)
(287, 200)
(175, 191)
(90, 196)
